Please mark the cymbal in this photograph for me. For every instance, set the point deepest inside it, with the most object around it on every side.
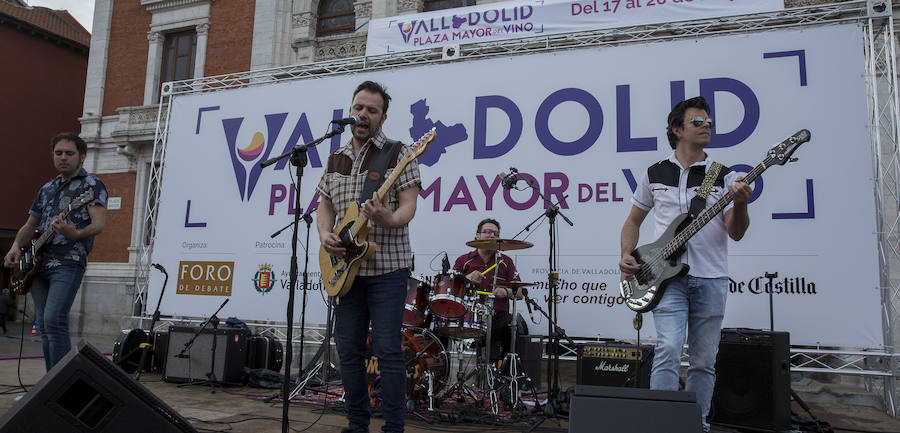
(500, 244)
(514, 284)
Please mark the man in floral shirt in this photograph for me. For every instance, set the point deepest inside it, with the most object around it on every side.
(65, 254)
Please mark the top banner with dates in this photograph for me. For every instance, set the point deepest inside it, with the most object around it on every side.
(522, 19)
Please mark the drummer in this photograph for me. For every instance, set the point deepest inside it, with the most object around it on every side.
(472, 265)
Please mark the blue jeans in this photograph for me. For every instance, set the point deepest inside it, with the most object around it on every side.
(380, 299)
(53, 290)
(695, 305)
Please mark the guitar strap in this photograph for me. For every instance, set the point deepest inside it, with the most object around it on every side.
(378, 165)
(698, 203)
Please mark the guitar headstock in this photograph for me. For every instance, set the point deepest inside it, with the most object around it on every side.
(84, 199)
(781, 152)
(420, 146)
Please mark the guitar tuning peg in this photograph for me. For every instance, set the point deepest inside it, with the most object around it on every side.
(792, 160)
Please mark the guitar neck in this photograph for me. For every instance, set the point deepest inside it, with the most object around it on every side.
(45, 236)
(698, 223)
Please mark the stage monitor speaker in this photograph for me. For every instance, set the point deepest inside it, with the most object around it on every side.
(85, 392)
(632, 410)
(753, 379)
(194, 365)
(613, 364)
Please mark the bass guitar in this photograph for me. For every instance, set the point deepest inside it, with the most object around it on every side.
(659, 260)
(30, 261)
(338, 273)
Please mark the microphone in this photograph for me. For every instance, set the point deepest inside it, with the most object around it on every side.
(509, 180)
(445, 264)
(527, 303)
(352, 120)
(159, 267)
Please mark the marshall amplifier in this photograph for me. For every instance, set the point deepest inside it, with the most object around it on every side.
(614, 364)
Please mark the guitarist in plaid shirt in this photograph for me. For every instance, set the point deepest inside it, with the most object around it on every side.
(378, 293)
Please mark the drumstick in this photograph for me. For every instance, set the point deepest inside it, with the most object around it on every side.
(492, 267)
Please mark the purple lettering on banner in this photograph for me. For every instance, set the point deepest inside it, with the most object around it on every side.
(801, 59)
(629, 177)
(200, 112)
(276, 195)
(676, 91)
(292, 200)
(231, 128)
(460, 195)
(525, 15)
(595, 122)
(482, 103)
(810, 206)
(604, 191)
(335, 139)
(512, 203)
(624, 141)
(187, 218)
(758, 183)
(583, 189)
(708, 89)
(434, 188)
(558, 191)
(489, 190)
(274, 122)
(301, 132)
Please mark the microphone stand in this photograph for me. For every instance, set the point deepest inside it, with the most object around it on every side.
(299, 160)
(553, 279)
(151, 343)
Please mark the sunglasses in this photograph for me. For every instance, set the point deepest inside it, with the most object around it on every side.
(490, 232)
(698, 121)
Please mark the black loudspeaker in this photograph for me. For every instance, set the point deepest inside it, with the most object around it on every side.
(196, 362)
(753, 374)
(633, 410)
(265, 352)
(530, 349)
(614, 364)
(85, 392)
(160, 349)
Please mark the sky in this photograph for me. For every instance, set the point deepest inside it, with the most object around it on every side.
(82, 10)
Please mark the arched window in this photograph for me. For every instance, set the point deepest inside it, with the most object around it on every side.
(436, 5)
(335, 16)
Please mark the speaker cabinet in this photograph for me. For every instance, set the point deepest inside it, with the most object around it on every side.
(530, 349)
(614, 364)
(85, 392)
(195, 363)
(753, 380)
(633, 410)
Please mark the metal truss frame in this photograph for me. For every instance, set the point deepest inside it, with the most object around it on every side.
(879, 367)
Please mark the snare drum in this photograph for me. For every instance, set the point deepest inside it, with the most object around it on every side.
(472, 325)
(448, 299)
(416, 295)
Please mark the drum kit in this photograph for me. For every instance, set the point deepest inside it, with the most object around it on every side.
(444, 316)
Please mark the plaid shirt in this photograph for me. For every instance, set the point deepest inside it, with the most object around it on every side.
(343, 182)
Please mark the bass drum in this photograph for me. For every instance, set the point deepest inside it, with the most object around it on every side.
(425, 357)
(127, 350)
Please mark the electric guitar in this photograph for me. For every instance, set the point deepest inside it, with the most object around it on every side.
(659, 260)
(338, 273)
(30, 261)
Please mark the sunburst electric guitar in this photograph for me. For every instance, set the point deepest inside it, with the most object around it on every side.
(30, 261)
(338, 273)
(659, 260)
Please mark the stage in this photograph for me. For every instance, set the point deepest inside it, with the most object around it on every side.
(245, 409)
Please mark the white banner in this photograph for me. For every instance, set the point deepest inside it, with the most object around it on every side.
(525, 18)
(584, 137)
